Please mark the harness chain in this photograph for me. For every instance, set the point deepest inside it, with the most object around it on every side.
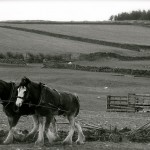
(43, 87)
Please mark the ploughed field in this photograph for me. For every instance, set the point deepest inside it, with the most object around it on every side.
(92, 91)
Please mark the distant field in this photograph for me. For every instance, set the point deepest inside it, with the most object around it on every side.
(19, 41)
(113, 63)
(23, 42)
(130, 34)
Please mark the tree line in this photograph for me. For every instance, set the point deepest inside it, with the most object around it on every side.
(134, 15)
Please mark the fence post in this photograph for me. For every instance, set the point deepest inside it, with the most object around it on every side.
(108, 101)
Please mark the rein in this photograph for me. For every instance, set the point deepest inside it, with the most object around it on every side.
(41, 97)
(51, 105)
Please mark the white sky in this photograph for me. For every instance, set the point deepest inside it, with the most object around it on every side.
(67, 10)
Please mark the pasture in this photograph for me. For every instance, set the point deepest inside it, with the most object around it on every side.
(23, 42)
(115, 33)
(114, 63)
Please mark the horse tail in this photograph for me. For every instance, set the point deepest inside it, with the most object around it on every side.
(77, 104)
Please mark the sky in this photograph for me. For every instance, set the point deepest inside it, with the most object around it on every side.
(67, 10)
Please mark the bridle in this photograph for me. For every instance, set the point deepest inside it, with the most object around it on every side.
(20, 97)
(23, 97)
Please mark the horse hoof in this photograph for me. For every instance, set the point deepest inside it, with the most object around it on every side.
(39, 143)
(57, 138)
(28, 137)
(79, 142)
(67, 143)
(7, 142)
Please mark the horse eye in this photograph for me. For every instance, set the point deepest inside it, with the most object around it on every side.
(25, 92)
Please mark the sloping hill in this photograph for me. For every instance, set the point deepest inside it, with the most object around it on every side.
(131, 34)
(26, 39)
(20, 41)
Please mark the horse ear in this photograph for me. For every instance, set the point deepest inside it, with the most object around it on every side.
(25, 81)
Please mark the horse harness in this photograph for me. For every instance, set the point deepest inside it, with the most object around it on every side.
(43, 87)
(51, 106)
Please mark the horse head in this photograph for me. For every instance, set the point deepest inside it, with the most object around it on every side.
(28, 91)
(23, 91)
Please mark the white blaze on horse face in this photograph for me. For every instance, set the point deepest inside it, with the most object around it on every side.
(20, 96)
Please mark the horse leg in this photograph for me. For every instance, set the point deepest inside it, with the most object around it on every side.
(40, 140)
(54, 127)
(12, 123)
(50, 135)
(35, 127)
(68, 139)
(81, 137)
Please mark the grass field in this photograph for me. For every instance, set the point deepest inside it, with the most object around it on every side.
(130, 34)
(113, 63)
(23, 42)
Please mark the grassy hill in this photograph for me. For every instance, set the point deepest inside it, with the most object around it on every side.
(20, 41)
(53, 39)
(131, 34)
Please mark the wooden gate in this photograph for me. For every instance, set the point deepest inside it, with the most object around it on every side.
(131, 103)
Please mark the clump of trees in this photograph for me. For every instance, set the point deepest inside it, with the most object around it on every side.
(134, 15)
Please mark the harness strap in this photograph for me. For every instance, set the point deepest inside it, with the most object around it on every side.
(42, 86)
(42, 97)
(12, 90)
(20, 97)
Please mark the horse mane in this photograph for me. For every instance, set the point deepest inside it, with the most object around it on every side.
(24, 81)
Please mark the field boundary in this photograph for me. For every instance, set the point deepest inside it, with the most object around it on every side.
(13, 61)
(134, 47)
(61, 65)
(116, 22)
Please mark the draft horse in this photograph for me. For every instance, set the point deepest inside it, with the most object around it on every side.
(8, 93)
(49, 102)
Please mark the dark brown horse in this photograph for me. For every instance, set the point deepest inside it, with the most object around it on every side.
(8, 93)
(48, 103)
